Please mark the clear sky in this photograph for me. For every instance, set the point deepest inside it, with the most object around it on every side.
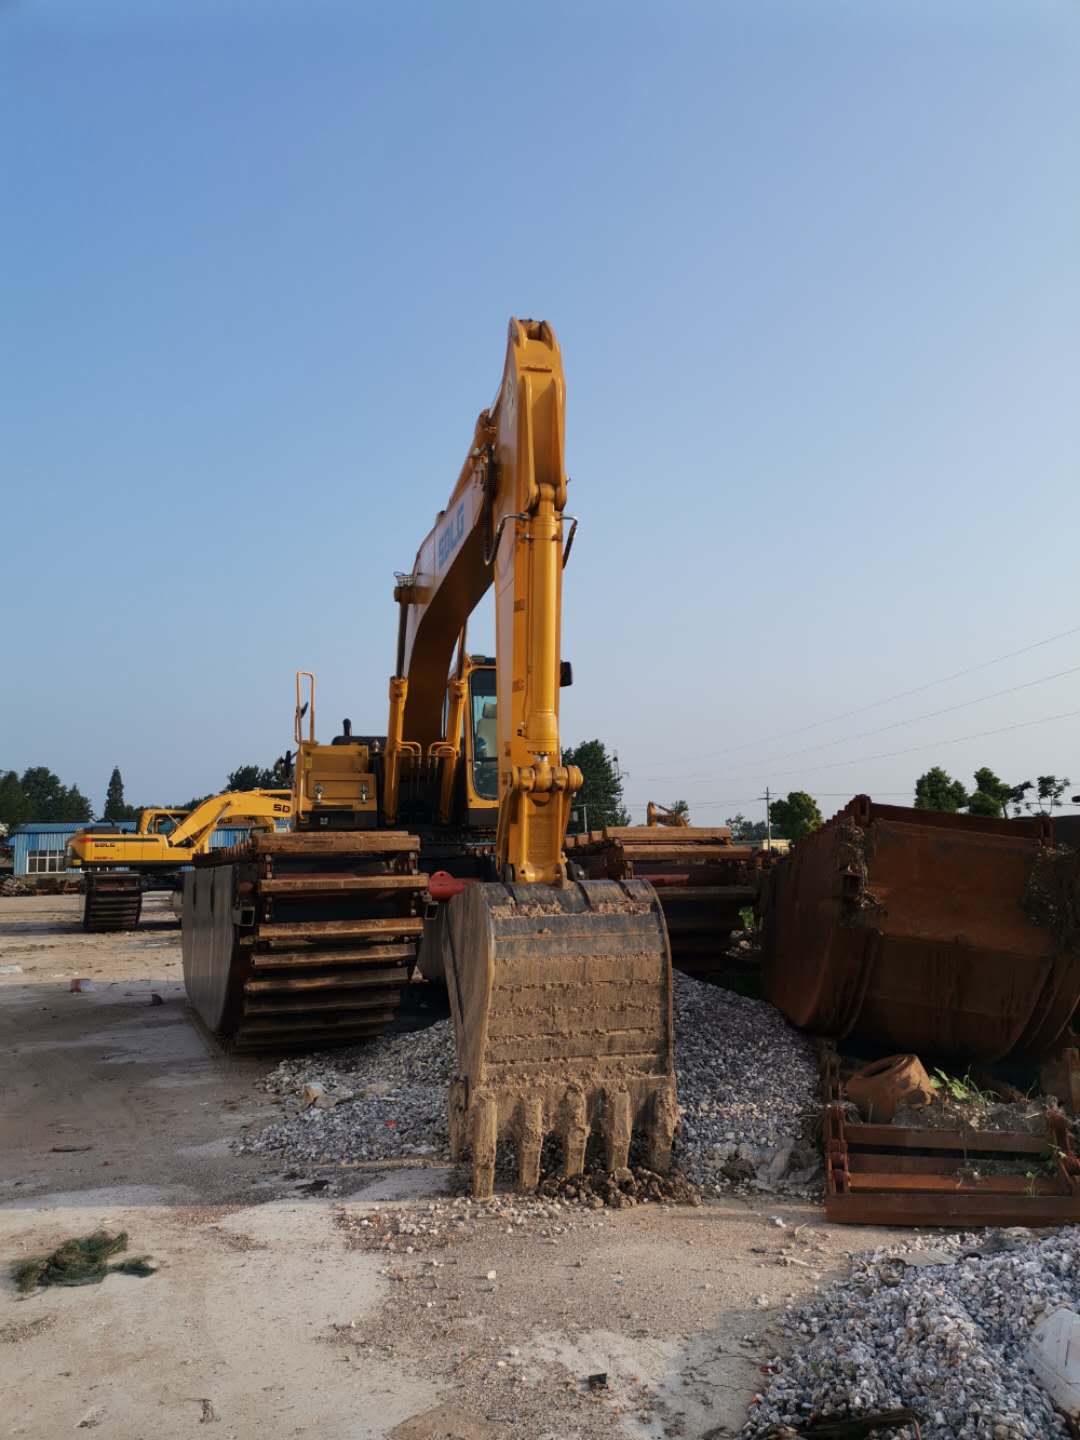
(815, 270)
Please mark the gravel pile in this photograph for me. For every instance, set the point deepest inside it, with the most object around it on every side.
(747, 1083)
(947, 1339)
(381, 1101)
(749, 1092)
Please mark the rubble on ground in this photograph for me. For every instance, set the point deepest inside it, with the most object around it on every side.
(748, 1086)
(384, 1100)
(438, 1224)
(11, 886)
(943, 1330)
(749, 1093)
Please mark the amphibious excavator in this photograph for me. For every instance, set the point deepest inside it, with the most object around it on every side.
(119, 865)
(445, 839)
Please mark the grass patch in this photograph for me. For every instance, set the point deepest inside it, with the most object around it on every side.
(83, 1261)
(961, 1089)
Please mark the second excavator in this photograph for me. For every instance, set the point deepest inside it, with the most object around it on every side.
(444, 841)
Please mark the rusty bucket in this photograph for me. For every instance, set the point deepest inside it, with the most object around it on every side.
(925, 932)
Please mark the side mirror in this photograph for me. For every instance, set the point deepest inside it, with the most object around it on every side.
(566, 674)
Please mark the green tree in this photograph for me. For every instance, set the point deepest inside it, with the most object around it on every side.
(746, 832)
(115, 809)
(599, 802)
(50, 800)
(991, 796)
(14, 806)
(1049, 790)
(937, 790)
(680, 807)
(244, 777)
(259, 777)
(796, 816)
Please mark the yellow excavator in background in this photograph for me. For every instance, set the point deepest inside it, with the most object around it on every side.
(662, 815)
(119, 865)
(560, 988)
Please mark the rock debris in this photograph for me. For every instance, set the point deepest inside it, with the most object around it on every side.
(947, 1339)
(748, 1090)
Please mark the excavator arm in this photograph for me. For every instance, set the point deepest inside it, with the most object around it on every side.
(193, 834)
(560, 990)
(505, 526)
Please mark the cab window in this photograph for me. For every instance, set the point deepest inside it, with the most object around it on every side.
(485, 734)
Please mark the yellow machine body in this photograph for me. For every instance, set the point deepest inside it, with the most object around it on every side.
(333, 784)
(168, 839)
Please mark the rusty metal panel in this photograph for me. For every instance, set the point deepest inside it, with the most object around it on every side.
(702, 879)
(908, 928)
(907, 1175)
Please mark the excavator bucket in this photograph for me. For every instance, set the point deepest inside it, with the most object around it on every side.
(945, 935)
(561, 998)
(703, 879)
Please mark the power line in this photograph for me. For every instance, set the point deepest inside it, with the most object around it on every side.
(913, 749)
(888, 699)
(896, 725)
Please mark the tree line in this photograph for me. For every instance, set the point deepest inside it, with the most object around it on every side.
(992, 796)
(40, 795)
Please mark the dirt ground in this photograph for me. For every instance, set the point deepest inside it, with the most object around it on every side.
(266, 1316)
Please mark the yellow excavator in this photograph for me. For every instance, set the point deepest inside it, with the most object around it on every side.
(444, 840)
(119, 865)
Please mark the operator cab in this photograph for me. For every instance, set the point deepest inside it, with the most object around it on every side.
(164, 822)
(483, 716)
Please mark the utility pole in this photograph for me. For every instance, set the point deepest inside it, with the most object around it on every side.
(767, 797)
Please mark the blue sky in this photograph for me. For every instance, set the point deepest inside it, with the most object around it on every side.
(815, 269)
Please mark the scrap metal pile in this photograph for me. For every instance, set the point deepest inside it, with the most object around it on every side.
(954, 939)
(705, 882)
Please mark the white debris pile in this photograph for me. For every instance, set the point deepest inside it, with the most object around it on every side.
(749, 1092)
(380, 1101)
(945, 1332)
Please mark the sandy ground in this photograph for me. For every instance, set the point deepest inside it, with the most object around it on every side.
(266, 1317)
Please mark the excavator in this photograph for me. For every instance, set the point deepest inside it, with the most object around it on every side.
(442, 844)
(119, 865)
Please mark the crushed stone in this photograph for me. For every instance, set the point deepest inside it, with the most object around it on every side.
(747, 1083)
(947, 1339)
(749, 1093)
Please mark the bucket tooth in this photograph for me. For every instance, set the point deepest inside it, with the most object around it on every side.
(485, 1136)
(618, 1120)
(661, 1131)
(458, 1117)
(530, 1142)
(561, 997)
(575, 1132)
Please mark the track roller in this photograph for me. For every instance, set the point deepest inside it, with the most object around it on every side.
(113, 900)
(302, 940)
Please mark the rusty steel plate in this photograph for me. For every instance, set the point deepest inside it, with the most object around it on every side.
(914, 930)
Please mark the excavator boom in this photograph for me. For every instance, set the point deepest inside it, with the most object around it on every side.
(560, 991)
